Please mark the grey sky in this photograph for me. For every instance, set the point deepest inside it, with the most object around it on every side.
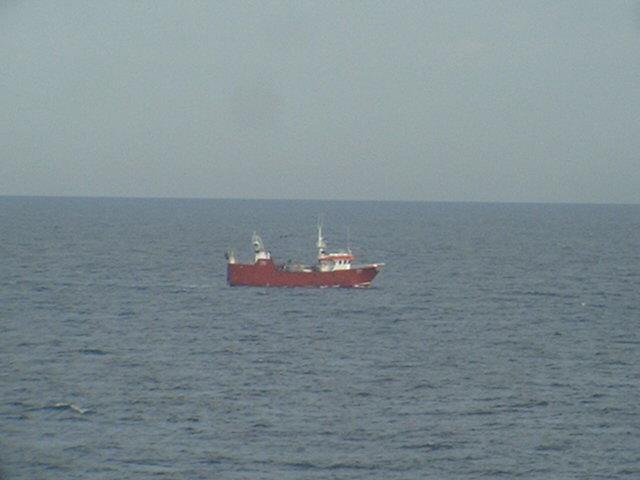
(450, 100)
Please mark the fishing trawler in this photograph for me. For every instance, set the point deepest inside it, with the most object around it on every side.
(331, 269)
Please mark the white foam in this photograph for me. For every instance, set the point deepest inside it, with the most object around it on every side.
(71, 406)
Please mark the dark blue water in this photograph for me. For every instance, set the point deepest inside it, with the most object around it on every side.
(499, 341)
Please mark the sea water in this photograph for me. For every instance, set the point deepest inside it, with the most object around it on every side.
(500, 340)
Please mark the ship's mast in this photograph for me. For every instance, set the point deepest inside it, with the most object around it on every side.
(321, 244)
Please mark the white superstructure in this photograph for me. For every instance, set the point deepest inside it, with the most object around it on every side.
(258, 248)
(328, 262)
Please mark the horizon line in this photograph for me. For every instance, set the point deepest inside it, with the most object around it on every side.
(335, 200)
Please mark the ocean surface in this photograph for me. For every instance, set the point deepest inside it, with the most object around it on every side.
(500, 340)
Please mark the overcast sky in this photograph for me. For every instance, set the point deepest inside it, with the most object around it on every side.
(450, 100)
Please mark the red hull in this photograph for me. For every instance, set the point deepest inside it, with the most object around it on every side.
(264, 273)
